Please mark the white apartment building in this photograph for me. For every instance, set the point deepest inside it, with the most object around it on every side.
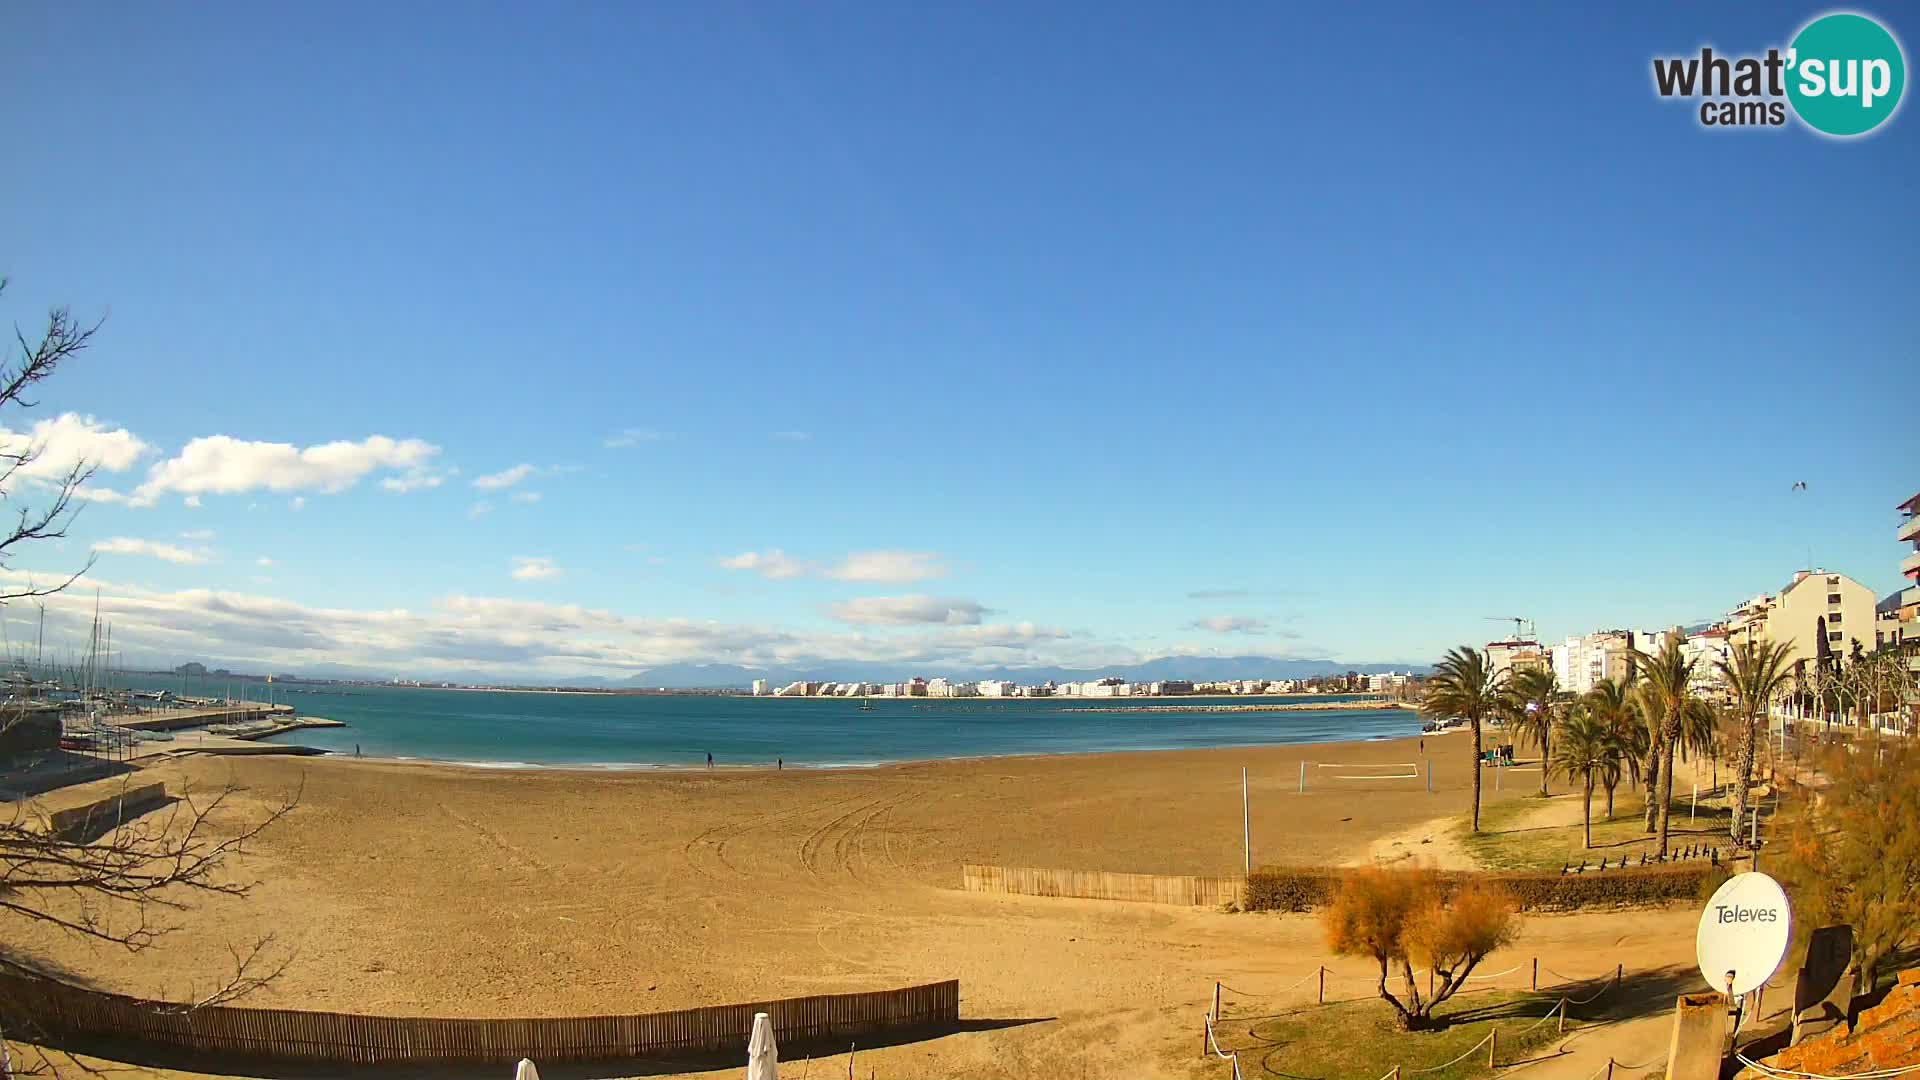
(995, 688)
(759, 688)
(1907, 611)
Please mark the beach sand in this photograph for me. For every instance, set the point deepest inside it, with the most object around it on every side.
(441, 890)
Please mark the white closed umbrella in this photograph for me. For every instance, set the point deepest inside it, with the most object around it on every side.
(763, 1056)
(525, 1071)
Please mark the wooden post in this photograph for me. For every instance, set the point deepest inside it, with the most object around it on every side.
(1560, 1026)
(1493, 1046)
(1216, 1001)
(1429, 780)
(1536, 973)
(1609, 1069)
(1303, 778)
(1206, 1037)
(1321, 998)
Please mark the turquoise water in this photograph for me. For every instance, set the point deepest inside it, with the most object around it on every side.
(486, 727)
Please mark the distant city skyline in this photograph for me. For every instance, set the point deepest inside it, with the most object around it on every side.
(615, 339)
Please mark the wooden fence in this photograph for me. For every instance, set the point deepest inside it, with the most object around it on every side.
(57, 1011)
(1101, 885)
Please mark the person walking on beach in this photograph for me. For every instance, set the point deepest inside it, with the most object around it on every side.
(356, 749)
(709, 759)
(1423, 746)
(780, 764)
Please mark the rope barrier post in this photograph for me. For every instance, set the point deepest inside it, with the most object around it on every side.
(1536, 973)
(1493, 1046)
(1216, 1001)
(1303, 778)
(1560, 1024)
(1321, 997)
(1609, 1069)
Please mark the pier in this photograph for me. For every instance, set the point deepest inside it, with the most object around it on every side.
(200, 716)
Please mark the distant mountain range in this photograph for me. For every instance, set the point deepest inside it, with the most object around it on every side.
(734, 676)
(1197, 668)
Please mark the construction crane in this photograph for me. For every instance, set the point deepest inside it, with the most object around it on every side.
(1522, 627)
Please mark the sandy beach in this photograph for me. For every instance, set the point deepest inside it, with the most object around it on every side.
(436, 890)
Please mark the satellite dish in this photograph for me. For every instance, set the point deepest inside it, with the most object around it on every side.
(1744, 933)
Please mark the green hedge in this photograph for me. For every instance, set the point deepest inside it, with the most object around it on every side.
(1280, 888)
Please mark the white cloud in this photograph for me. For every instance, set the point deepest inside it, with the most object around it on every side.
(525, 496)
(506, 478)
(908, 611)
(197, 534)
(534, 568)
(412, 480)
(631, 437)
(62, 442)
(193, 501)
(793, 436)
(479, 508)
(490, 638)
(1230, 624)
(263, 561)
(880, 567)
(889, 566)
(127, 545)
(772, 563)
(298, 502)
(224, 465)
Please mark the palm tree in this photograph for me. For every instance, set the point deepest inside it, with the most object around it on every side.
(1589, 750)
(1465, 687)
(1756, 673)
(1668, 693)
(1613, 706)
(1533, 703)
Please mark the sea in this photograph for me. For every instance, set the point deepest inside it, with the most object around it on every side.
(506, 729)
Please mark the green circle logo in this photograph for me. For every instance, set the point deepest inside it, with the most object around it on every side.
(1845, 74)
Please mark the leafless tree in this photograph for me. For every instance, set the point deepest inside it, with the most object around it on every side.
(117, 888)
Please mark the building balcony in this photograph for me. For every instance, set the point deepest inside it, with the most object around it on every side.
(1910, 529)
(1911, 564)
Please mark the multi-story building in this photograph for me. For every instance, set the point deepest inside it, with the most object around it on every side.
(1908, 612)
(1517, 654)
(1819, 613)
(995, 688)
(759, 688)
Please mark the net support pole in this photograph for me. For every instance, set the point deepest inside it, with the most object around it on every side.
(1303, 778)
(1246, 827)
(1429, 776)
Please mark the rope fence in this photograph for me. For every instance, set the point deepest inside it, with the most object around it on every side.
(1788, 1074)
(1325, 975)
(1491, 1043)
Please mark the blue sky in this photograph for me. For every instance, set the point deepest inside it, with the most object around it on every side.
(1367, 324)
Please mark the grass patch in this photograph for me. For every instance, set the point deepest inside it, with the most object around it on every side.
(1511, 838)
(1362, 1040)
